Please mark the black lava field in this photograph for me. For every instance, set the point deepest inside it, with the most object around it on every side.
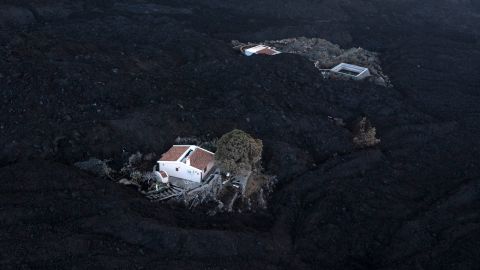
(108, 78)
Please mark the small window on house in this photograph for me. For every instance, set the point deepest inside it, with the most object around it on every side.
(176, 169)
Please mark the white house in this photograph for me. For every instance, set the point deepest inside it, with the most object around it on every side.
(187, 162)
(259, 49)
(352, 71)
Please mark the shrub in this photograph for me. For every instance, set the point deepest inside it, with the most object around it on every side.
(97, 167)
(364, 134)
(237, 151)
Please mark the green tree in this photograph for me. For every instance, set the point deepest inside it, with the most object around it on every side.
(237, 151)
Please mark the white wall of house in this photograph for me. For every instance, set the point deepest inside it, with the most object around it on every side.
(181, 170)
(209, 167)
(362, 71)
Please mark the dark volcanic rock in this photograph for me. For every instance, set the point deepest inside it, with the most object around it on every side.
(109, 78)
(12, 16)
(92, 223)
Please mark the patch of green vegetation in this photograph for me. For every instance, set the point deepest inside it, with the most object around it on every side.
(237, 151)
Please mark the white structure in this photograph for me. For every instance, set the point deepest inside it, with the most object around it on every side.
(260, 49)
(187, 162)
(352, 71)
(162, 176)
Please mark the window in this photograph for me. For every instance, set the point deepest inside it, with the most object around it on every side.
(176, 169)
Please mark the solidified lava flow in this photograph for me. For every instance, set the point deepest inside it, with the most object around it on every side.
(367, 176)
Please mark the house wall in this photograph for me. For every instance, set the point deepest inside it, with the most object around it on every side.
(184, 171)
(364, 74)
(209, 167)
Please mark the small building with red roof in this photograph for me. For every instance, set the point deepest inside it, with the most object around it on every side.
(187, 162)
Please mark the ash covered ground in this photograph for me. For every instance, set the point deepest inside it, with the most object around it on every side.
(104, 79)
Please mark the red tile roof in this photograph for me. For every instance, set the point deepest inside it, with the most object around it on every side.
(201, 158)
(267, 51)
(174, 153)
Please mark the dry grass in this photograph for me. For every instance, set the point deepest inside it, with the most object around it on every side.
(364, 134)
(254, 184)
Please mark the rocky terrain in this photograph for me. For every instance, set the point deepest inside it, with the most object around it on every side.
(105, 79)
